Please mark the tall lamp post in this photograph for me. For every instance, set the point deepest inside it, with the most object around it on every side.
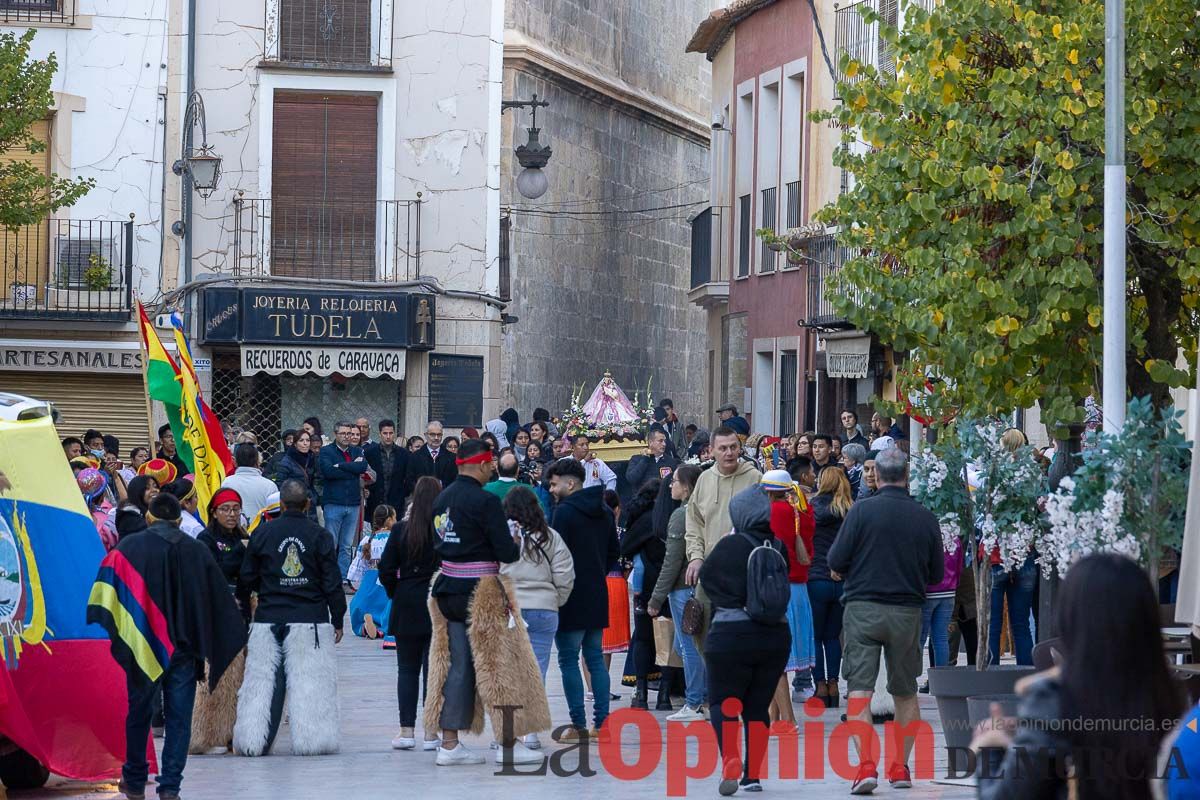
(200, 169)
(533, 155)
(1113, 390)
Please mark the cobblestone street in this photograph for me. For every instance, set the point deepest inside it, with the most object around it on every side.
(368, 768)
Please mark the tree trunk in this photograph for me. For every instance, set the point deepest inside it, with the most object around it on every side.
(1159, 285)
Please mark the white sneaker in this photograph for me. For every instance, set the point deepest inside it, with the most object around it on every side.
(403, 742)
(219, 750)
(431, 744)
(520, 754)
(589, 696)
(458, 757)
(494, 745)
(687, 714)
(532, 741)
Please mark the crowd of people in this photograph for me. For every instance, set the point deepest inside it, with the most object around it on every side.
(429, 543)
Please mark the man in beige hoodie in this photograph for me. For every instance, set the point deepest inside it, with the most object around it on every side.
(708, 510)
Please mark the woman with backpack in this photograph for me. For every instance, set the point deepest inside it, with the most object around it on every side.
(748, 643)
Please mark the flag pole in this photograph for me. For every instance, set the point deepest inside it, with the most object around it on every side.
(145, 378)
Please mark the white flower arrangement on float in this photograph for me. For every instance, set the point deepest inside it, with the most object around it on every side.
(1128, 496)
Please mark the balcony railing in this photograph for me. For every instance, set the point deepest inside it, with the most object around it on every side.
(352, 240)
(67, 269)
(793, 204)
(862, 40)
(19, 12)
(823, 257)
(339, 34)
(767, 256)
(702, 248)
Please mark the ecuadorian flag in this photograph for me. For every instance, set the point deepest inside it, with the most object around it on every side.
(62, 697)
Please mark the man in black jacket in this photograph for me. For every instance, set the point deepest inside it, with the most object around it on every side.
(390, 462)
(654, 463)
(889, 549)
(588, 528)
(292, 564)
(473, 539)
(164, 575)
(432, 459)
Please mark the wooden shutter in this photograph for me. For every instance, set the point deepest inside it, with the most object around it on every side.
(323, 185)
(25, 251)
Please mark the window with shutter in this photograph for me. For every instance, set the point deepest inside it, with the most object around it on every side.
(325, 32)
(25, 250)
(323, 185)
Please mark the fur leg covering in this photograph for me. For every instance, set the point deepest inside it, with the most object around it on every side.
(311, 666)
(882, 702)
(435, 677)
(506, 671)
(215, 713)
(253, 725)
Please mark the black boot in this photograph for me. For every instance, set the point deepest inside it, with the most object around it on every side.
(639, 695)
(664, 691)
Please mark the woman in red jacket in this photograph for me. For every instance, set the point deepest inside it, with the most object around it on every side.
(792, 523)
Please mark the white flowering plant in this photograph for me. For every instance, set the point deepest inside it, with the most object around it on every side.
(985, 497)
(1128, 496)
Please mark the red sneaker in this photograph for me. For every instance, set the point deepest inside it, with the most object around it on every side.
(899, 776)
(866, 779)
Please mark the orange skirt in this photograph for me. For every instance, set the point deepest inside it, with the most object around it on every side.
(617, 634)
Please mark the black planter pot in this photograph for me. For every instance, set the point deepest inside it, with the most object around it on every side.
(979, 707)
(953, 685)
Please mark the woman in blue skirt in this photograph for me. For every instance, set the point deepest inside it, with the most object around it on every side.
(792, 523)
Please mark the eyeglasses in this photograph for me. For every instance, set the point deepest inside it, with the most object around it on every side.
(228, 509)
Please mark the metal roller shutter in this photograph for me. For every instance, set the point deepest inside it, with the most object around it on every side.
(112, 404)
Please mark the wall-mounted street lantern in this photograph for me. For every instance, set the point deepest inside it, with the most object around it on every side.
(199, 166)
(533, 155)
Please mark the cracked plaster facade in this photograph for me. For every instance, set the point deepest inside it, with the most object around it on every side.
(627, 120)
(439, 118)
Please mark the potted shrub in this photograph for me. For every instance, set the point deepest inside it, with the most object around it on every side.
(985, 497)
(1128, 496)
(97, 277)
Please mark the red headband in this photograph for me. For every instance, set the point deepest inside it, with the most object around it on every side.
(482, 458)
(225, 496)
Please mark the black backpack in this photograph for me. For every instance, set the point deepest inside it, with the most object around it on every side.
(768, 591)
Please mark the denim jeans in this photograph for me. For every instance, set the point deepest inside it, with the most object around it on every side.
(569, 644)
(935, 621)
(693, 663)
(342, 522)
(1017, 586)
(541, 625)
(826, 599)
(178, 687)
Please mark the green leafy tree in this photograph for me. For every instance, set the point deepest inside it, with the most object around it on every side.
(26, 195)
(976, 213)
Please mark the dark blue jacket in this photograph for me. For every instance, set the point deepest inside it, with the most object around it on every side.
(587, 526)
(342, 486)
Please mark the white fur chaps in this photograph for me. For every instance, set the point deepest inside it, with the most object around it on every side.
(310, 668)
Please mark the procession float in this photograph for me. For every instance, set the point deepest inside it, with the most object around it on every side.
(614, 425)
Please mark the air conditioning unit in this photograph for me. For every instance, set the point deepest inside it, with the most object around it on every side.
(75, 256)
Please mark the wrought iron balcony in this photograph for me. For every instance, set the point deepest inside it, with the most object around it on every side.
(21, 12)
(823, 257)
(702, 248)
(325, 34)
(67, 269)
(352, 240)
(861, 40)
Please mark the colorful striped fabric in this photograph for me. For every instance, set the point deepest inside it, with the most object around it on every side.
(136, 625)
